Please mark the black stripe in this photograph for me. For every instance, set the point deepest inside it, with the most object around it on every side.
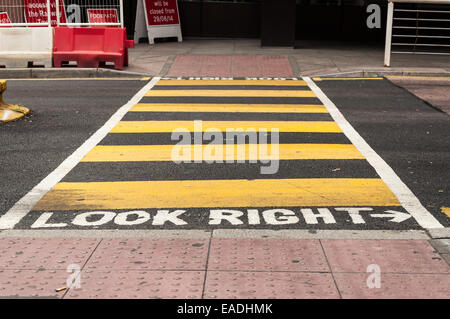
(165, 138)
(231, 87)
(149, 171)
(225, 116)
(231, 100)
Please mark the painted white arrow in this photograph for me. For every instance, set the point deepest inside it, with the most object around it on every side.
(397, 217)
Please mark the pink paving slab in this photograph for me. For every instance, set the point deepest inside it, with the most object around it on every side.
(264, 254)
(420, 286)
(47, 253)
(269, 285)
(146, 254)
(32, 283)
(246, 66)
(186, 65)
(216, 66)
(392, 256)
(275, 65)
(139, 284)
(231, 66)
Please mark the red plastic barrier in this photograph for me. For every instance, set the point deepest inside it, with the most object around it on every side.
(91, 46)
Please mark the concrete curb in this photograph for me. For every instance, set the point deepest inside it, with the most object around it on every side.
(383, 73)
(69, 72)
(439, 233)
(322, 234)
(220, 233)
(27, 73)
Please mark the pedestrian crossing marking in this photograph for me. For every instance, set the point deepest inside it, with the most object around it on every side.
(230, 82)
(218, 193)
(249, 152)
(231, 93)
(229, 108)
(223, 126)
(129, 191)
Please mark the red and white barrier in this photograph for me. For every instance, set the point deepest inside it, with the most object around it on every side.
(26, 33)
(19, 46)
(91, 46)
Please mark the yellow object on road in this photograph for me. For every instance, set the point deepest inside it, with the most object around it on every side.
(446, 211)
(10, 112)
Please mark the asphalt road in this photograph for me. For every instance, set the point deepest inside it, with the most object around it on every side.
(408, 133)
(434, 90)
(412, 137)
(63, 115)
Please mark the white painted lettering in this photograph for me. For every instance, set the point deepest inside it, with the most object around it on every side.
(136, 217)
(216, 216)
(354, 213)
(312, 218)
(163, 216)
(83, 219)
(42, 222)
(280, 217)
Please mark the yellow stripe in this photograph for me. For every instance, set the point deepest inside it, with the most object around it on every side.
(446, 211)
(218, 193)
(222, 126)
(406, 77)
(136, 153)
(346, 79)
(232, 93)
(80, 79)
(231, 82)
(229, 108)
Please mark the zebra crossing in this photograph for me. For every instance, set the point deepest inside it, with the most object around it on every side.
(131, 180)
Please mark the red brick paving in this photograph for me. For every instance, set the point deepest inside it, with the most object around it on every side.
(235, 268)
(139, 284)
(267, 255)
(156, 254)
(269, 285)
(47, 253)
(393, 256)
(32, 283)
(395, 286)
(231, 66)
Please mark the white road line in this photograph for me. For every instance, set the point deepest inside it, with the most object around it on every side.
(405, 196)
(13, 216)
(218, 233)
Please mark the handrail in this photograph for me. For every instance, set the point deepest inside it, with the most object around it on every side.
(390, 19)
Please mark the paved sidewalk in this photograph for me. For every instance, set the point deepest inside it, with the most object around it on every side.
(246, 58)
(193, 57)
(231, 265)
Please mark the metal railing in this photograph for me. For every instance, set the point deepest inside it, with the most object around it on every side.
(47, 13)
(88, 13)
(429, 28)
(25, 13)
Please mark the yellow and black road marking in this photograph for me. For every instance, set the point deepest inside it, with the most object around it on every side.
(321, 175)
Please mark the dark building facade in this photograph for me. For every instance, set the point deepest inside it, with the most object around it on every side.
(290, 22)
(306, 19)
